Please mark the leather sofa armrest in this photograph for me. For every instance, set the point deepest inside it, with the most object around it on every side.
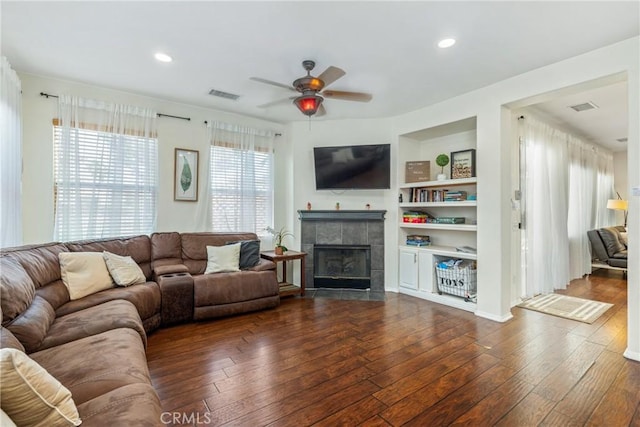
(263, 265)
(177, 297)
(169, 269)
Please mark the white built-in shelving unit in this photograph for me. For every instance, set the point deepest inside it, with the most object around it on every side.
(416, 264)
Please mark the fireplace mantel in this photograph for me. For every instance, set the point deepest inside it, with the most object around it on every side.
(341, 215)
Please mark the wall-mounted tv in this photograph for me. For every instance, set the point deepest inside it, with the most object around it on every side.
(353, 167)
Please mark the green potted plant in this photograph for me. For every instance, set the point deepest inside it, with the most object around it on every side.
(278, 236)
(442, 160)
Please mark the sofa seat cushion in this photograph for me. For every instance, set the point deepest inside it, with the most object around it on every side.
(8, 340)
(98, 364)
(145, 297)
(92, 321)
(617, 262)
(226, 288)
(620, 255)
(131, 405)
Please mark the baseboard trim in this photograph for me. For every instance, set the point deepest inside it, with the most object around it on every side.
(493, 317)
(633, 355)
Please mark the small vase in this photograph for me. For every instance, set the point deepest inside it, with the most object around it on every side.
(279, 250)
(441, 177)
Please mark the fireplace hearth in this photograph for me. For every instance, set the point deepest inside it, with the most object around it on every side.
(342, 266)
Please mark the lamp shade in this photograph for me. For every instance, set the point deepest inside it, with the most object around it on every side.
(308, 104)
(617, 204)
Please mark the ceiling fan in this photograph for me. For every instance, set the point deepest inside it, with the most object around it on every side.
(310, 88)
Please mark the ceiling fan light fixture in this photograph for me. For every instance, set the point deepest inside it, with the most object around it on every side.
(308, 104)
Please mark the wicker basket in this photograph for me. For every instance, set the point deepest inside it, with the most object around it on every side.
(461, 282)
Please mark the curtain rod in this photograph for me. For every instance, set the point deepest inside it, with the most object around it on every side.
(275, 134)
(48, 95)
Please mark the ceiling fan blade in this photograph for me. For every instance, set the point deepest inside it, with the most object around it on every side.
(321, 111)
(278, 102)
(331, 74)
(272, 83)
(347, 96)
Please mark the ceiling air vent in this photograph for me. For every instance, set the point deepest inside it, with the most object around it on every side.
(584, 107)
(222, 94)
(622, 139)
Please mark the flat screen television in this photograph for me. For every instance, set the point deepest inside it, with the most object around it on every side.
(353, 167)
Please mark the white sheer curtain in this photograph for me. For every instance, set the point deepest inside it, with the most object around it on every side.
(10, 156)
(105, 167)
(240, 179)
(547, 184)
(567, 184)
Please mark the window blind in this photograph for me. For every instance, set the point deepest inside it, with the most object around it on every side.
(108, 186)
(241, 188)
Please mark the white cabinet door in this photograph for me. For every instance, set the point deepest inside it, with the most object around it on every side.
(408, 265)
(425, 269)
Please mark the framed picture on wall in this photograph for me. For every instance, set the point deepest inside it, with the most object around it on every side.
(185, 177)
(463, 164)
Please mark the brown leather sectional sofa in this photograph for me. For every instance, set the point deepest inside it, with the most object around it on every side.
(95, 345)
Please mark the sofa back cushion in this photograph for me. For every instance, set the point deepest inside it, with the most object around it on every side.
(611, 240)
(31, 326)
(194, 247)
(39, 261)
(166, 249)
(17, 290)
(137, 247)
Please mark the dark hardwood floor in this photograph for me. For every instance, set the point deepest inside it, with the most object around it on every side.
(403, 361)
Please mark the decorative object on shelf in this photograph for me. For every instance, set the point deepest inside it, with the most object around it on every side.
(442, 160)
(185, 185)
(278, 236)
(417, 171)
(400, 198)
(308, 206)
(418, 240)
(463, 164)
(367, 206)
(337, 206)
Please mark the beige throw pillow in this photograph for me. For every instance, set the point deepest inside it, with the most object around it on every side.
(31, 396)
(223, 258)
(124, 270)
(84, 273)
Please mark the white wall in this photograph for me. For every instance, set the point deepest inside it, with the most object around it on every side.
(37, 180)
(336, 133)
(494, 158)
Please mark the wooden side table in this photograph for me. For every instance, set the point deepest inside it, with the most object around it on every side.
(287, 288)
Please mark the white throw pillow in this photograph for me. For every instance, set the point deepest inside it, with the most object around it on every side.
(84, 273)
(31, 395)
(223, 258)
(124, 270)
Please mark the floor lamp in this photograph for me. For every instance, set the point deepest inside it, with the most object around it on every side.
(619, 205)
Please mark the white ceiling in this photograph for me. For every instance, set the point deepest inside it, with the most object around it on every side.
(387, 48)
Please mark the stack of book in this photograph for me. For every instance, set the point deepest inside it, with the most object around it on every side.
(418, 240)
(455, 196)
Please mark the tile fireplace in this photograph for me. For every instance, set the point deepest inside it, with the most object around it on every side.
(345, 248)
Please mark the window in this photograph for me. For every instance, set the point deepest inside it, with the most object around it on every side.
(241, 188)
(105, 183)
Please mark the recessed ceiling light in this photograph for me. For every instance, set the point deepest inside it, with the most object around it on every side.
(445, 43)
(163, 57)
